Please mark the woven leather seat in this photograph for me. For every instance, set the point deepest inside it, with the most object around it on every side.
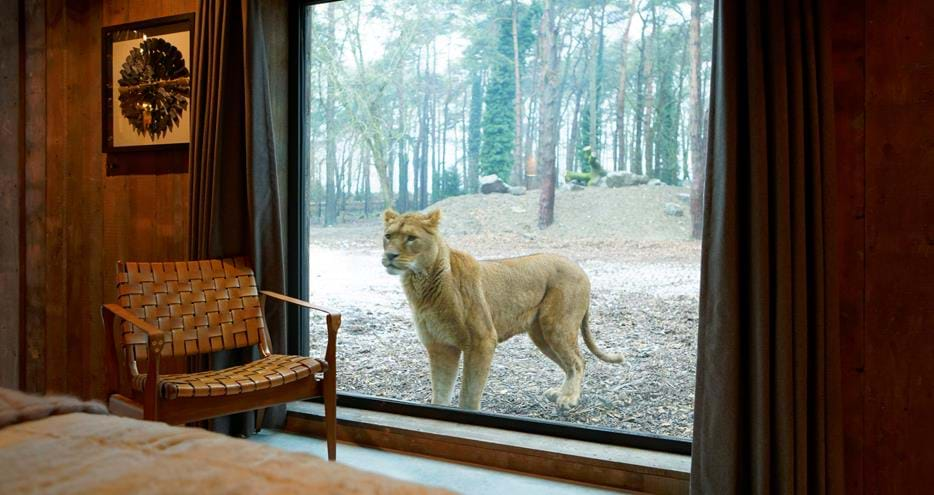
(271, 371)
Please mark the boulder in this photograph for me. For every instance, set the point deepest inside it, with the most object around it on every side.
(492, 184)
(516, 190)
(674, 210)
(625, 179)
(575, 187)
(656, 182)
(684, 198)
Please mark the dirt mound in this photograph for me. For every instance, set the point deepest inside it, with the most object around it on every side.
(632, 213)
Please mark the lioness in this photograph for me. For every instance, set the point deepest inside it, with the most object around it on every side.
(463, 305)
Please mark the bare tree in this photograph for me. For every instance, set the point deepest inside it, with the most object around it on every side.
(548, 129)
(621, 95)
(649, 78)
(330, 201)
(697, 147)
(517, 162)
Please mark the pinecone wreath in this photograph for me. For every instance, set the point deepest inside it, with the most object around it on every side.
(154, 87)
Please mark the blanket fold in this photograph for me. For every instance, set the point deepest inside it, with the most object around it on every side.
(17, 407)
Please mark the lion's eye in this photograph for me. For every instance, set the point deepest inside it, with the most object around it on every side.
(387, 237)
(410, 238)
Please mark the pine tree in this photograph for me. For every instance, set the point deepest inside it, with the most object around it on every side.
(667, 117)
(496, 148)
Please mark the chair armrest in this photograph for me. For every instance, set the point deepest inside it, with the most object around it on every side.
(121, 312)
(155, 345)
(333, 319)
(299, 302)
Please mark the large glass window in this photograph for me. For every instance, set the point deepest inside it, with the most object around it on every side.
(465, 106)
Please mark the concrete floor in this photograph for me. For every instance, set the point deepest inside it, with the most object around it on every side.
(461, 478)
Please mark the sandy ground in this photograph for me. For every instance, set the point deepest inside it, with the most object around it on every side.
(645, 279)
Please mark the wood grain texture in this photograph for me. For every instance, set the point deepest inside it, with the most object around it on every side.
(899, 311)
(850, 102)
(11, 195)
(80, 220)
(884, 97)
(35, 194)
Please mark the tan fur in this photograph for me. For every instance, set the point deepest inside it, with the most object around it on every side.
(464, 306)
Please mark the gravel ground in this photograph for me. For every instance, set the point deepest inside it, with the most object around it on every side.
(645, 278)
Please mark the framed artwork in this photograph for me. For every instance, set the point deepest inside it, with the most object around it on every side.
(146, 77)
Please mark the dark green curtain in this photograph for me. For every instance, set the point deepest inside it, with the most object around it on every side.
(237, 157)
(767, 412)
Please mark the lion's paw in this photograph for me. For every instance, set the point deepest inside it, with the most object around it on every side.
(567, 402)
(553, 393)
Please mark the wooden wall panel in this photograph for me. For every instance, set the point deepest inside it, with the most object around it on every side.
(55, 300)
(884, 97)
(899, 312)
(11, 195)
(849, 23)
(82, 220)
(35, 199)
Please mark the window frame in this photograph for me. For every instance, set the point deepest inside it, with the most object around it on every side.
(298, 257)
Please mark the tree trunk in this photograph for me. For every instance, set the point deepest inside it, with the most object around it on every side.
(423, 154)
(444, 142)
(596, 79)
(548, 33)
(621, 95)
(574, 136)
(517, 162)
(698, 157)
(464, 153)
(473, 132)
(650, 98)
(639, 111)
(330, 208)
(402, 199)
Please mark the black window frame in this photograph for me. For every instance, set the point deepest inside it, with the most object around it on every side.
(298, 257)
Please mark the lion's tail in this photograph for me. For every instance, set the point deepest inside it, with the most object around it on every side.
(592, 344)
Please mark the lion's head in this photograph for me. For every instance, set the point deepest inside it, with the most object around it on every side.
(410, 241)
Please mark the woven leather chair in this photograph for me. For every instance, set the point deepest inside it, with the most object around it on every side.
(189, 308)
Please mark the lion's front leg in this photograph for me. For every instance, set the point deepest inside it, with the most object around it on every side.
(477, 361)
(444, 360)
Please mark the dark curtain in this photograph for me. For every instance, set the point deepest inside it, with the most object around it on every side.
(237, 160)
(767, 414)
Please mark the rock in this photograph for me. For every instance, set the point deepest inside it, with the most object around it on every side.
(576, 187)
(489, 179)
(492, 184)
(674, 210)
(656, 182)
(625, 179)
(516, 190)
(684, 198)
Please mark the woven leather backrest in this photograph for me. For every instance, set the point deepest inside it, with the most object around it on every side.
(202, 306)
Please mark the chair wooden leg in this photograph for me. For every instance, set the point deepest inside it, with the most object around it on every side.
(258, 419)
(330, 413)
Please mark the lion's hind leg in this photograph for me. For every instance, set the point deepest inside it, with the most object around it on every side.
(535, 333)
(556, 336)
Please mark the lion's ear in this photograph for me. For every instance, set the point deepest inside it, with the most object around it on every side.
(433, 218)
(389, 215)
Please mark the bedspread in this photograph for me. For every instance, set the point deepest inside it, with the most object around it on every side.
(90, 453)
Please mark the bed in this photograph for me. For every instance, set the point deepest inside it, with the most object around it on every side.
(62, 445)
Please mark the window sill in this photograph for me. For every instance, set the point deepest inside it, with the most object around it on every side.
(574, 460)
